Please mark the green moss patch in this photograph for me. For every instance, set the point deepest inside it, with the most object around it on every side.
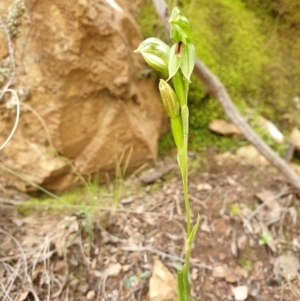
(253, 48)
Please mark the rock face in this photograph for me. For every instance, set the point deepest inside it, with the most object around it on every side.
(82, 93)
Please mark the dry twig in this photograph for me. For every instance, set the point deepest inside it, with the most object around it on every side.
(264, 204)
(16, 271)
(135, 248)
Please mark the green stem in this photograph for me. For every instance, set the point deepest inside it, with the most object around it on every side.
(186, 199)
(185, 129)
(186, 276)
(183, 162)
(181, 86)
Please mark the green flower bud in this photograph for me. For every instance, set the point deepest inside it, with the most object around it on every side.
(181, 28)
(169, 99)
(156, 54)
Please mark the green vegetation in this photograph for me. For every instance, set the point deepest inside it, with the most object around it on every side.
(76, 201)
(235, 210)
(252, 46)
(177, 64)
(264, 239)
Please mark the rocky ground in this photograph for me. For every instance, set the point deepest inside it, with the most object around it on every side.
(247, 246)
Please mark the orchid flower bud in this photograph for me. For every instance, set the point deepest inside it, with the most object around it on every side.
(181, 28)
(169, 99)
(172, 107)
(156, 54)
(182, 56)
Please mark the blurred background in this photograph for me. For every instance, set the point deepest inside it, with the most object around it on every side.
(91, 202)
(90, 105)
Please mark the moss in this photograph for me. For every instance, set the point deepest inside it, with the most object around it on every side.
(245, 263)
(149, 23)
(41, 204)
(228, 41)
(252, 53)
(78, 200)
(166, 142)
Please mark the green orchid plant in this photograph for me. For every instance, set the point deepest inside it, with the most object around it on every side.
(176, 65)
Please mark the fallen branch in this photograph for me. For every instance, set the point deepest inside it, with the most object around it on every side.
(216, 88)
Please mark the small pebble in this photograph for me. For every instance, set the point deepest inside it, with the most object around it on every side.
(90, 295)
(125, 268)
(83, 288)
(242, 242)
(240, 272)
(114, 270)
(222, 256)
(240, 292)
(230, 278)
(220, 271)
(73, 284)
(194, 274)
(94, 264)
(74, 262)
(204, 186)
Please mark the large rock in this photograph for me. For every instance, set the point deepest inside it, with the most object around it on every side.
(77, 72)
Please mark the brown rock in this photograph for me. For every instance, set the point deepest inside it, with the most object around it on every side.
(83, 288)
(222, 256)
(220, 225)
(242, 242)
(267, 196)
(3, 46)
(250, 155)
(258, 269)
(77, 70)
(60, 265)
(231, 278)
(113, 270)
(220, 271)
(152, 175)
(73, 284)
(90, 295)
(222, 127)
(207, 286)
(162, 284)
(287, 266)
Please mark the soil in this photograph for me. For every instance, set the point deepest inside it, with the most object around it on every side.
(109, 255)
